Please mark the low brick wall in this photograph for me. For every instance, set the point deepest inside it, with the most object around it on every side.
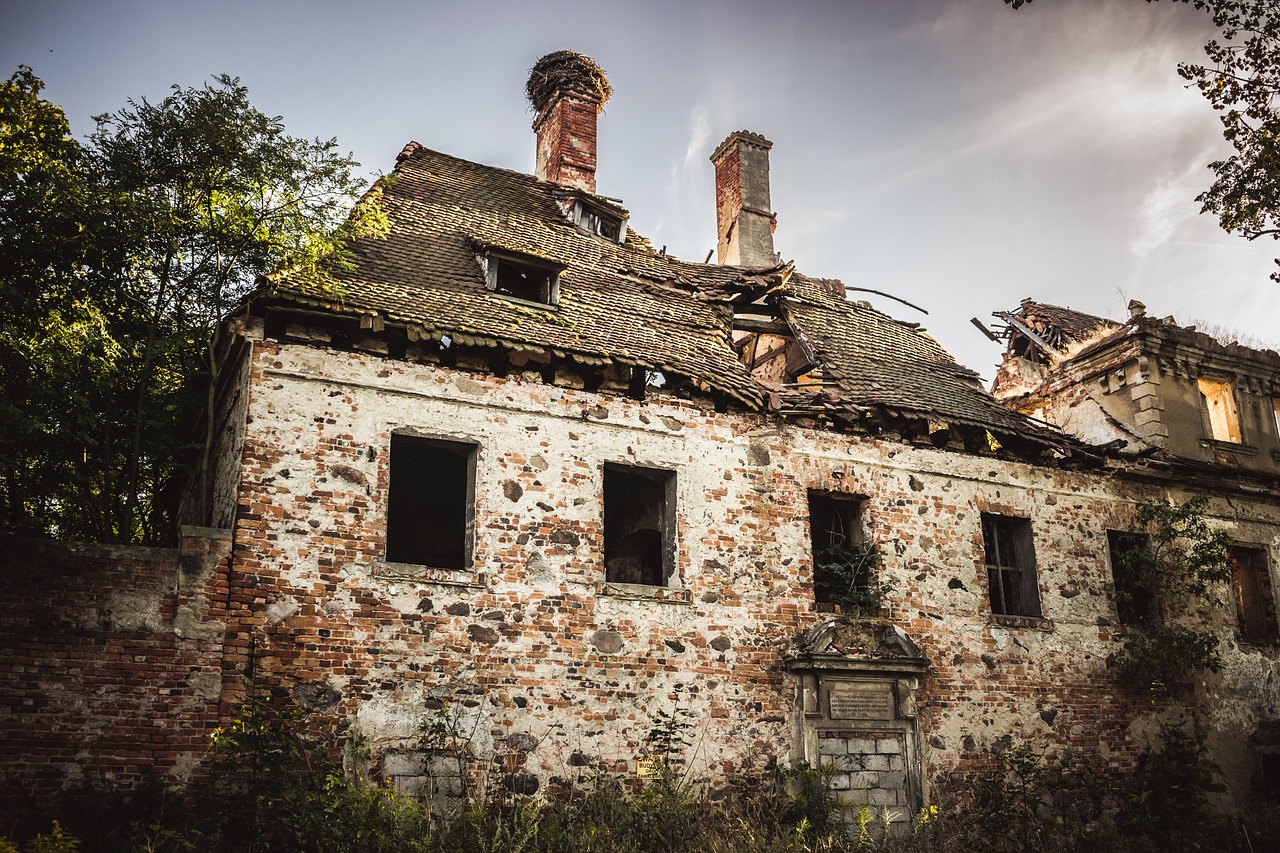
(110, 667)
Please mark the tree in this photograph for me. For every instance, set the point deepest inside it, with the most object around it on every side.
(1242, 82)
(210, 194)
(1176, 556)
(54, 344)
(178, 207)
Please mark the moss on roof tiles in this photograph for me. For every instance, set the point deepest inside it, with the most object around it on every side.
(426, 272)
(878, 361)
(624, 302)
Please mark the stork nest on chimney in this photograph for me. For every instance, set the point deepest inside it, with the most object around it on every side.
(566, 70)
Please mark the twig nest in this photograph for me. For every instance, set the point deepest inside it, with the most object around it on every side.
(566, 70)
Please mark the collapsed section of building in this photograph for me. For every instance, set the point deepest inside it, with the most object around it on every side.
(519, 473)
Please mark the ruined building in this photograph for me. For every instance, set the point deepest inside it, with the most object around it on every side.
(524, 478)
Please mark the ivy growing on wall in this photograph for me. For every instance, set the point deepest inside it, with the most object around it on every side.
(1172, 559)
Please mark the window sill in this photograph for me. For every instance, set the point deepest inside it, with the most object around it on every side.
(850, 610)
(526, 303)
(1234, 447)
(412, 573)
(1038, 623)
(644, 592)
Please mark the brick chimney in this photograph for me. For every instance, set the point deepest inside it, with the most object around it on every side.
(568, 91)
(744, 217)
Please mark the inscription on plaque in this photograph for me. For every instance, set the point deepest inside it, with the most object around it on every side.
(861, 702)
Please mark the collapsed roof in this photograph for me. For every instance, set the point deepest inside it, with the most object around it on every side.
(623, 303)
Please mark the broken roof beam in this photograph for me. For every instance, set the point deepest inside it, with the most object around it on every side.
(1026, 331)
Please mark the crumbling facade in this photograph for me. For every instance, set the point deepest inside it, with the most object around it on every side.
(519, 483)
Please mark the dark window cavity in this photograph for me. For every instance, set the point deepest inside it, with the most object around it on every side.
(1251, 586)
(431, 503)
(639, 525)
(1269, 778)
(841, 554)
(594, 220)
(523, 278)
(1011, 565)
(1130, 570)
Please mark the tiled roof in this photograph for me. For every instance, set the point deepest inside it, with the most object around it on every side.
(880, 361)
(1062, 326)
(624, 303)
(617, 302)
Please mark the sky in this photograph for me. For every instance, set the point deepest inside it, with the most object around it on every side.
(953, 153)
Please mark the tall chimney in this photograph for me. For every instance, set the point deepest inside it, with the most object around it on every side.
(567, 90)
(744, 218)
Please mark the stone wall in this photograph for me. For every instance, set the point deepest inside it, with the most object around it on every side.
(537, 666)
(527, 668)
(110, 669)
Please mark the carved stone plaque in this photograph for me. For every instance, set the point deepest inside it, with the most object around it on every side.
(860, 702)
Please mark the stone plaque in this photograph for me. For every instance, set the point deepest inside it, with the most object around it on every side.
(860, 702)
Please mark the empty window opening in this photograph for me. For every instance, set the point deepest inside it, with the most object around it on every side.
(599, 222)
(522, 278)
(1275, 411)
(1251, 587)
(1220, 406)
(1270, 775)
(639, 525)
(1011, 561)
(430, 507)
(842, 556)
(1131, 572)
(769, 350)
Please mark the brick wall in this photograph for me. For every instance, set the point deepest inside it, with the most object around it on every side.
(539, 666)
(118, 661)
(110, 669)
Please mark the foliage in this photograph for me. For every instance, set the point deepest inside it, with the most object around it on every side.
(1180, 559)
(1160, 657)
(128, 251)
(55, 345)
(844, 574)
(1187, 555)
(668, 740)
(56, 841)
(1027, 801)
(1174, 781)
(1241, 81)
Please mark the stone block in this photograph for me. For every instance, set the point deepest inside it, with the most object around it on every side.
(864, 779)
(882, 797)
(1147, 416)
(893, 780)
(852, 797)
(889, 746)
(832, 746)
(404, 764)
(862, 745)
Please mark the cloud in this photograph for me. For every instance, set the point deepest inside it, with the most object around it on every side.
(682, 173)
(1168, 205)
(699, 135)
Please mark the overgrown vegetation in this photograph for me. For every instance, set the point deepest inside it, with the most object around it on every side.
(121, 255)
(271, 786)
(1171, 560)
(844, 574)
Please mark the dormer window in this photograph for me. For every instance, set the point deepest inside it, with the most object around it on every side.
(521, 277)
(599, 221)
